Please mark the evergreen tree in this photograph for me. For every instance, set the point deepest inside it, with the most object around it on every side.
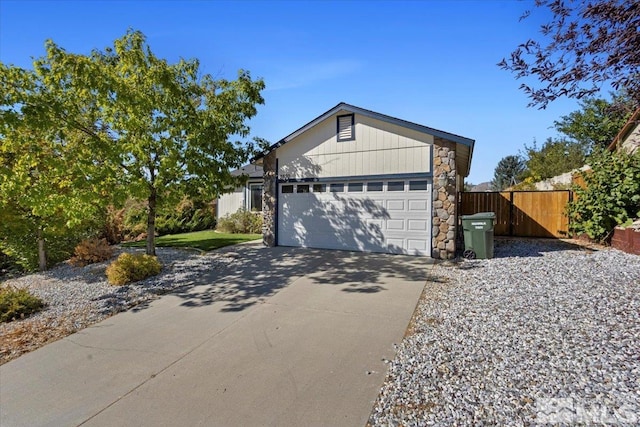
(508, 172)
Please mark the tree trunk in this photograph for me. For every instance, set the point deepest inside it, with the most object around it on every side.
(151, 224)
(42, 255)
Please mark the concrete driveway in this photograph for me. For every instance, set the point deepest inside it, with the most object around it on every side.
(280, 337)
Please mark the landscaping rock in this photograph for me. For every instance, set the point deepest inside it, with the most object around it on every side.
(543, 333)
(77, 297)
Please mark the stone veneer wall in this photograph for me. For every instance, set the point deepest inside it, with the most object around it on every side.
(269, 202)
(443, 245)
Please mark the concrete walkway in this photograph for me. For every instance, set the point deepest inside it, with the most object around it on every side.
(280, 337)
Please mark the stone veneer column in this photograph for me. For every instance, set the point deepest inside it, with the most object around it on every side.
(443, 242)
(269, 202)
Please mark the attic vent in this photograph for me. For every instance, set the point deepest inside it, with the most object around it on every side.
(346, 131)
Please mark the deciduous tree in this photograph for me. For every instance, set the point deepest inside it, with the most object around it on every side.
(583, 47)
(597, 122)
(555, 157)
(171, 126)
(50, 176)
(159, 130)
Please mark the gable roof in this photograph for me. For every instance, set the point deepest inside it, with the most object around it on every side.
(466, 144)
(251, 170)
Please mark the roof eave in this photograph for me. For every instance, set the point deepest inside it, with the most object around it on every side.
(343, 106)
(626, 129)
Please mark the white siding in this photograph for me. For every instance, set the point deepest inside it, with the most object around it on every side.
(379, 148)
(632, 143)
(231, 202)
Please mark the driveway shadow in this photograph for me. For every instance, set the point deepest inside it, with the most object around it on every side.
(244, 275)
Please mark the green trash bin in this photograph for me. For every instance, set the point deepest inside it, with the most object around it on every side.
(478, 235)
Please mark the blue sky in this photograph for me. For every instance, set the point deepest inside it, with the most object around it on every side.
(429, 62)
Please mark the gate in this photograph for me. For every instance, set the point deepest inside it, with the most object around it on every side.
(522, 213)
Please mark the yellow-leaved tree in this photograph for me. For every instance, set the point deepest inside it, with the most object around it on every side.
(116, 123)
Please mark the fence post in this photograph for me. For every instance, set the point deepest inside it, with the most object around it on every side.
(569, 216)
(511, 213)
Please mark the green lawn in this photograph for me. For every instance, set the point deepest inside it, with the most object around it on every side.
(206, 240)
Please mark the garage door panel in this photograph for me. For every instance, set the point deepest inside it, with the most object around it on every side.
(417, 225)
(395, 205)
(395, 224)
(377, 223)
(395, 246)
(392, 222)
(417, 245)
(334, 205)
(421, 205)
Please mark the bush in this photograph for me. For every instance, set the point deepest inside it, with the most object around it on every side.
(17, 304)
(184, 217)
(610, 195)
(113, 227)
(187, 216)
(8, 266)
(90, 251)
(242, 221)
(130, 268)
(21, 245)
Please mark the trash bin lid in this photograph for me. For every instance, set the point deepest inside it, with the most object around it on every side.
(480, 215)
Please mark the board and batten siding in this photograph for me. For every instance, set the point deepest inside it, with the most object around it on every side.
(379, 148)
(229, 203)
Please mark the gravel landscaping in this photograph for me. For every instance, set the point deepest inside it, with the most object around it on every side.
(78, 297)
(544, 333)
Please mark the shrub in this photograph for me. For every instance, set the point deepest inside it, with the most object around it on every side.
(17, 303)
(241, 221)
(186, 216)
(130, 268)
(113, 227)
(22, 245)
(8, 266)
(610, 195)
(90, 251)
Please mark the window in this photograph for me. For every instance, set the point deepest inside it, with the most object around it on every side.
(319, 188)
(355, 186)
(395, 186)
(255, 197)
(346, 129)
(337, 188)
(287, 188)
(374, 186)
(418, 185)
(302, 188)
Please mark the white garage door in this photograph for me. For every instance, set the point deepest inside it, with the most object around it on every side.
(391, 216)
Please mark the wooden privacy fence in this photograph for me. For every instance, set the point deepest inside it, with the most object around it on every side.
(522, 213)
